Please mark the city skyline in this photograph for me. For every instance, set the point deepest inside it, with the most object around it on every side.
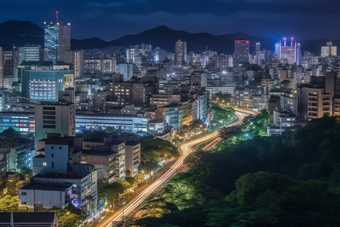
(260, 18)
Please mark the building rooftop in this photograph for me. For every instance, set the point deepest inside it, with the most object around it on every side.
(99, 153)
(132, 143)
(27, 219)
(47, 187)
(40, 155)
(79, 114)
(157, 121)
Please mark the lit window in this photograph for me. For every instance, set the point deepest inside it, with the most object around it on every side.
(44, 164)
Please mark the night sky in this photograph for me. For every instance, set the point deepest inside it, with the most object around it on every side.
(304, 19)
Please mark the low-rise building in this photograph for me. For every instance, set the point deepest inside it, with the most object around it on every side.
(24, 219)
(59, 165)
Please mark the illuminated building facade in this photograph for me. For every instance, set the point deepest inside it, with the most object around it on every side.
(329, 50)
(42, 85)
(51, 41)
(57, 40)
(291, 54)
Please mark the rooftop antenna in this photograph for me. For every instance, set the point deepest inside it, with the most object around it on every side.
(57, 15)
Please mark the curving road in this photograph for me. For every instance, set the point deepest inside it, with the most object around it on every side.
(185, 149)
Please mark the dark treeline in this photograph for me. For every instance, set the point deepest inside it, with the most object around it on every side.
(263, 181)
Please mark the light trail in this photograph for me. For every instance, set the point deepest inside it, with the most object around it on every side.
(185, 149)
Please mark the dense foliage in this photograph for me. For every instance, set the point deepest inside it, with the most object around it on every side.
(222, 113)
(11, 133)
(70, 216)
(154, 149)
(7, 202)
(112, 191)
(280, 181)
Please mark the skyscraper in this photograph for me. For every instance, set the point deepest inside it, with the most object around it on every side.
(258, 53)
(57, 37)
(180, 53)
(278, 49)
(64, 40)
(51, 38)
(329, 50)
(241, 51)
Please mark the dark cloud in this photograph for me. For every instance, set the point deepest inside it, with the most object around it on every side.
(109, 19)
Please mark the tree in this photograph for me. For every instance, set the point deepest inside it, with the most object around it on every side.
(131, 180)
(27, 172)
(11, 133)
(70, 216)
(7, 202)
(110, 130)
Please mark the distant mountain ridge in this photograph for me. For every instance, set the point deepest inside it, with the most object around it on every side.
(19, 33)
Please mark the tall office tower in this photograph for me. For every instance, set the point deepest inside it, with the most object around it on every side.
(57, 37)
(77, 59)
(29, 53)
(278, 49)
(329, 50)
(180, 53)
(258, 53)
(42, 85)
(8, 63)
(292, 53)
(241, 51)
(64, 40)
(2, 76)
(51, 38)
(298, 53)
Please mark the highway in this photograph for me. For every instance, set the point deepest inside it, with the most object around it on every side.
(185, 149)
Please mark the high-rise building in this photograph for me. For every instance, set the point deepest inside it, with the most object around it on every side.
(180, 53)
(278, 49)
(8, 63)
(29, 53)
(42, 85)
(57, 37)
(241, 51)
(2, 76)
(329, 50)
(58, 117)
(96, 65)
(77, 59)
(258, 53)
(51, 41)
(64, 40)
(291, 53)
(126, 70)
(133, 55)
